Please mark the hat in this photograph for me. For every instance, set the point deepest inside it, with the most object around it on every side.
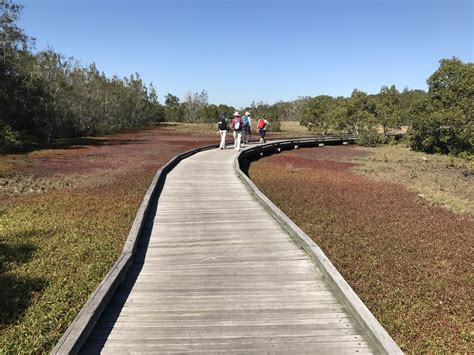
(236, 113)
(247, 113)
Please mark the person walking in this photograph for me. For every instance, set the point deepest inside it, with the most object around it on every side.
(247, 129)
(237, 127)
(262, 128)
(222, 127)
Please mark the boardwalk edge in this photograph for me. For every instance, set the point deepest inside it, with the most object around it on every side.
(80, 328)
(371, 326)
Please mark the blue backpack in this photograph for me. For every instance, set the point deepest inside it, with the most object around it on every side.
(245, 120)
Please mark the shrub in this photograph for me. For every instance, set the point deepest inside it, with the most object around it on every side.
(9, 139)
(442, 132)
(368, 137)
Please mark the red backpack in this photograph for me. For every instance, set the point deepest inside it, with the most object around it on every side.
(261, 123)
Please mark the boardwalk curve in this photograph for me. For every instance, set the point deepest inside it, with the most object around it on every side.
(214, 271)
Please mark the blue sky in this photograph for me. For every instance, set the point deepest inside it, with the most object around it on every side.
(258, 50)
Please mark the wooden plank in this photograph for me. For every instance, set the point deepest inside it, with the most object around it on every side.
(157, 334)
(236, 344)
(276, 349)
(147, 322)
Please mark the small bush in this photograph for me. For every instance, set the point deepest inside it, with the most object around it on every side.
(9, 139)
(391, 140)
(469, 157)
(368, 137)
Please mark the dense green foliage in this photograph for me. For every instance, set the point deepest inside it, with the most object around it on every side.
(326, 114)
(369, 137)
(443, 122)
(440, 120)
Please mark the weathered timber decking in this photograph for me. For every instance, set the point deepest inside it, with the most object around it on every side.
(215, 272)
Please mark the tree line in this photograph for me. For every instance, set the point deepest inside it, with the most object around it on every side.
(45, 96)
(195, 108)
(439, 120)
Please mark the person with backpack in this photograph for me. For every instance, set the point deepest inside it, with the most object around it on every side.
(247, 129)
(222, 127)
(262, 128)
(237, 127)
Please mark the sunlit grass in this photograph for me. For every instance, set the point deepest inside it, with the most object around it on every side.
(438, 179)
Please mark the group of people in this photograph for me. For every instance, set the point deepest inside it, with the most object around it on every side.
(241, 128)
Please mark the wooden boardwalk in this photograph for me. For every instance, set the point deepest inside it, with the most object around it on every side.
(214, 272)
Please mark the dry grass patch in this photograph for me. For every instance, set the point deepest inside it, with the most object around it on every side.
(16, 184)
(294, 128)
(183, 127)
(440, 180)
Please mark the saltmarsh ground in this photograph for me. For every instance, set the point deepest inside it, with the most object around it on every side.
(66, 211)
(385, 218)
(64, 215)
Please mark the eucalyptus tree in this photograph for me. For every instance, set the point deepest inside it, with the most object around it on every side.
(12, 37)
(360, 112)
(388, 108)
(52, 71)
(195, 105)
(407, 99)
(293, 110)
(210, 113)
(318, 114)
(173, 109)
(12, 89)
